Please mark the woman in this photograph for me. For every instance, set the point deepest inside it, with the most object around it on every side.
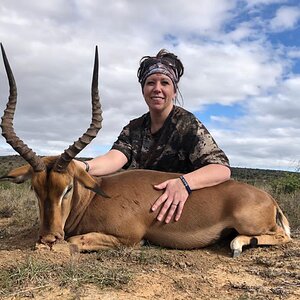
(167, 138)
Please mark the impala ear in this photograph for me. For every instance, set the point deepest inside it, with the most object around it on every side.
(89, 182)
(18, 175)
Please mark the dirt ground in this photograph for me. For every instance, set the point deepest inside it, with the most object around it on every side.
(210, 273)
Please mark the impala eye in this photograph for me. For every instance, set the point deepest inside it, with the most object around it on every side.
(69, 189)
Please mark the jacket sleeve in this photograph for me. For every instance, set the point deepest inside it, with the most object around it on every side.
(203, 149)
(124, 144)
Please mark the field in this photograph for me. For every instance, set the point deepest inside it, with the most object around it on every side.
(148, 272)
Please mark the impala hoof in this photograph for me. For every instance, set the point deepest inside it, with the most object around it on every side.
(236, 253)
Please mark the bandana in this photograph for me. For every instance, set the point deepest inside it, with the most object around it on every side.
(160, 68)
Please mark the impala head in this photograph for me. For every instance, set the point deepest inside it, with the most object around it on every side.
(52, 178)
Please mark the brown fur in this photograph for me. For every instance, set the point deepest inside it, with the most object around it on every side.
(92, 221)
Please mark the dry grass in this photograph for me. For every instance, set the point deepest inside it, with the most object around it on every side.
(18, 203)
(290, 204)
(34, 274)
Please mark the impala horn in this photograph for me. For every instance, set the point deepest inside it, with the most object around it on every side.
(7, 122)
(65, 158)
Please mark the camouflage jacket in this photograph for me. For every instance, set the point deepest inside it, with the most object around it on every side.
(182, 145)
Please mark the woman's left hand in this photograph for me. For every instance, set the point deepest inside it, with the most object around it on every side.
(173, 199)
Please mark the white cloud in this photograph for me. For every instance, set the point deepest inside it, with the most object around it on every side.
(227, 73)
(269, 134)
(241, 33)
(294, 53)
(286, 17)
(282, 106)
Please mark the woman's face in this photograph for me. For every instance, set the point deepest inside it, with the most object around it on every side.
(159, 92)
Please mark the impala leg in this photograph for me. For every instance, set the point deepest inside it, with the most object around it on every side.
(94, 241)
(238, 243)
(272, 238)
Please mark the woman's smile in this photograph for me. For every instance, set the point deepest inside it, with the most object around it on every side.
(157, 98)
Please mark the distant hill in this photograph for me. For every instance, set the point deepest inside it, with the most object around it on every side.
(254, 176)
(9, 162)
(243, 174)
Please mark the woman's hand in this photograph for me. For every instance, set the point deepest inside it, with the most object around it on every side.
(173, 199)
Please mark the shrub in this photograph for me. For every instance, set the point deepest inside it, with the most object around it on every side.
(290, 183)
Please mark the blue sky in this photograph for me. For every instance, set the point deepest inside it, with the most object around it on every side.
(210, 112)
(241, 76)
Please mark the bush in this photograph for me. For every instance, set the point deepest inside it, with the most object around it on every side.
(288, 184)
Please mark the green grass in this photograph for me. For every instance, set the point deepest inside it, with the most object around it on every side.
(31, 272)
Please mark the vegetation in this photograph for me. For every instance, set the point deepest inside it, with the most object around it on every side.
(260, 177)
(7, 163)
(287, 184)
(34, 273)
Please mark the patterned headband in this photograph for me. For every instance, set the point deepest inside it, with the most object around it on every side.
(160, 68)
